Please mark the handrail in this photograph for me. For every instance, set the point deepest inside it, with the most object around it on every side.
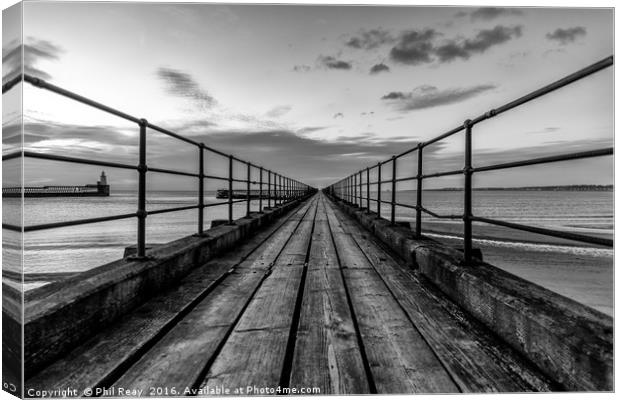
(347, 188)
(284, 189)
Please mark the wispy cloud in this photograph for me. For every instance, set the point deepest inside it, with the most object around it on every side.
(566, 36)
(370, 39)
(378, 68)
(182, 84)
(330, 62)
(278, 111)
(34, 51)
(427, 96)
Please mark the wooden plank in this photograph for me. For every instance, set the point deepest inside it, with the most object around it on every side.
(476, 360)
(90, 364)
(178, 360)
(254, 353)
(327, 355)
(400, 359)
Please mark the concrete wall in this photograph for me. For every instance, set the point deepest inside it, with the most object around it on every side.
(570, 342)
(60, 315)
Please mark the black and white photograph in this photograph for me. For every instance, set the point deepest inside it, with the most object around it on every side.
(307, 199)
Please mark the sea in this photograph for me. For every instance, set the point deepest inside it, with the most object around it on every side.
(579, 271)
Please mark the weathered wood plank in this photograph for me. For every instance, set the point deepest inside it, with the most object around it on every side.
(476, 360)
(115, 349)
(179, 358)
(254, 353)
(327, 355)
(400, 359)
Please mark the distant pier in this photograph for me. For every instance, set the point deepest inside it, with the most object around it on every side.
(101, 189)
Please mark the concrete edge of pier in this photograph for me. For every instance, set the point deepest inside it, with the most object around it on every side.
(62, 314)
(570, 342)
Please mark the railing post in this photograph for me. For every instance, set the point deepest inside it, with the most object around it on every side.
(393, 211)
(355, 189)
(247, 191)
(279, 195)
(368, 189)
(230, 189)
(260, 191)
(269, 189)
(467, 213)
(418, 208)
(201, 187)
(141, 213)
(361, 190)
(379, 191)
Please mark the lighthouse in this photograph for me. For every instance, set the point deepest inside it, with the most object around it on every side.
(102, 186)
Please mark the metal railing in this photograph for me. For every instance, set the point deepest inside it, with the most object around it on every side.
(350, 189)
(279, 188)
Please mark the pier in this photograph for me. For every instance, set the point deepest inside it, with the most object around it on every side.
(309, 292)
(101, 189)
(316, 301)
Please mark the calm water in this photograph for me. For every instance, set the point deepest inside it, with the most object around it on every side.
(591, 273)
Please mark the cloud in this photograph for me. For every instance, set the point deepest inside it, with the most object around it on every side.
(338, 115)
(483, 40)
(549, 129)
(301, 68)
(34, 50)
(278, 111)
(378, 68)
(566, 36)
(414, 47)
(182, 84)
(370, 39)
(330, 62)
(310, 129)
(427, 96)
(489, 13)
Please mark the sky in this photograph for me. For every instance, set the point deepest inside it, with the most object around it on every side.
(313, 92)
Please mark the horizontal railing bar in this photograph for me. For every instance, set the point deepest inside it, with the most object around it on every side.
(444, 136)
(562, 157)
(445, 173)
(223, 202)
(168, 210)
(446, 216)
(548, 232)
(560, 83)
(77, 222)
(221, 178)
(11, 156)
(406, 205)
(173, 172)
(211, 149)
(10, 227)
(77, 160)
(406, 152)
(172, 134)
(66, 93)
(9, 84)
(408, 178)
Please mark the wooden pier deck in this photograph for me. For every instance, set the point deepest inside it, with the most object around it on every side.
(313, 301)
